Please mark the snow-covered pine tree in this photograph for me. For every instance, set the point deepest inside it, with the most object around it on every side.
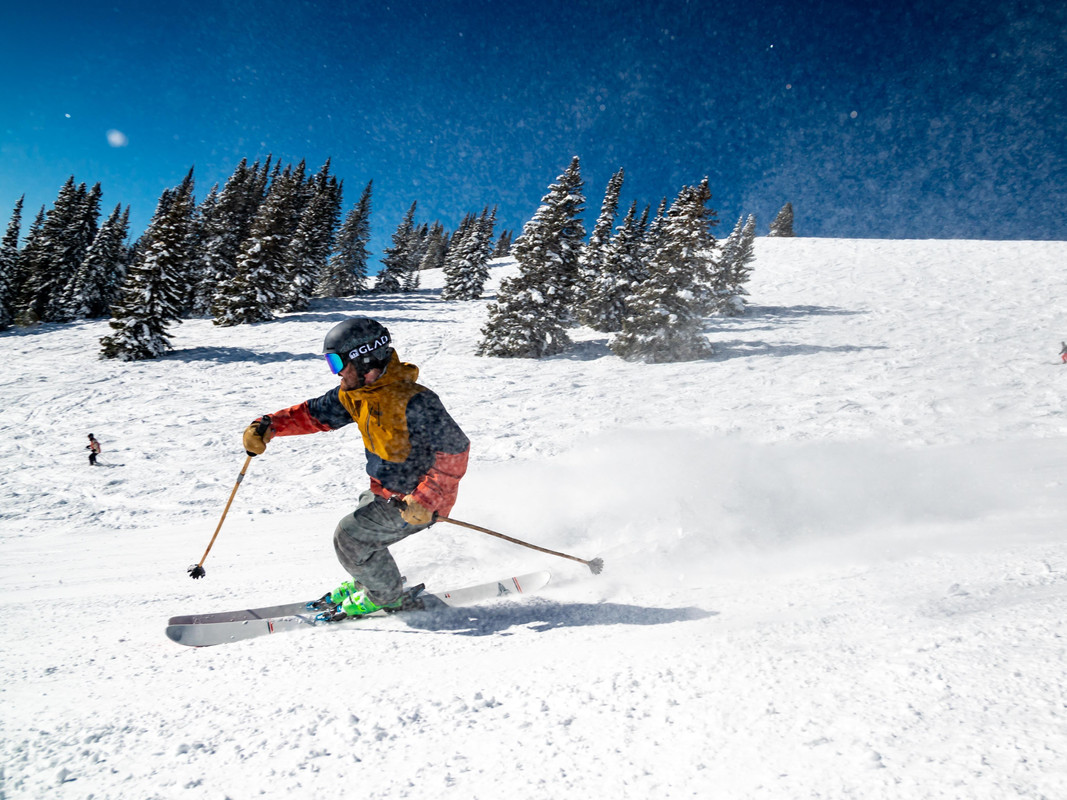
(528, 319)
(483, 247)
(29, 255)
(397, 261)
(503, 245)
(419, 243)
(436, 248)
(346, 269)
(665, 323)
(91, 292)
(201, 271)
(9, 268)
(782, 225)
(117, 278)
(456, 260)
(48, 264)
(224, 225)
(726, 263)
(467, 263)
(256, 286)
(591, 261)
(623, 270)
(654, 231)
(738, 252)
(152, 293)
(80, 236)
(309, 248)
(190, 273)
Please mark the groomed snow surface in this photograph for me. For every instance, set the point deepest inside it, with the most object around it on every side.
(835, 554)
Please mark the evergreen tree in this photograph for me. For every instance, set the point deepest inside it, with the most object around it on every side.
(782, 225)
(397, 261)
(592, 259)
(28, 257)
(654, 231)
(79, 237)
(201, 271)
(256, 287)
(346, 269)
(55, 255)
(152, 293)
(419, 244)
(117, 278)
(467, 264)
(436, 249)
(91, 292)
(86, 225)
(309, 248)
(188, 273)
(503, 245)
(456, 256)
(623, 270)
(665, 323)
(528, 319)
(738, 252)
(224, 225)
(9, 268)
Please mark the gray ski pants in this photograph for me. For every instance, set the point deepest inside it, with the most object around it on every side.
(361, 542)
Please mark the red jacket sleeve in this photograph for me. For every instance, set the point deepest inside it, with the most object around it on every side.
(296, 420)
(438, 489)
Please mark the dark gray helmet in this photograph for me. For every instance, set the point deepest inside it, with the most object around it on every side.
(359, 340)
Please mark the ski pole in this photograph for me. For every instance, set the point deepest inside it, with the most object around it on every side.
(197, 570)
(595, 565)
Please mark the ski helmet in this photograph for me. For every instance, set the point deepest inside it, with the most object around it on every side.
(358, 340)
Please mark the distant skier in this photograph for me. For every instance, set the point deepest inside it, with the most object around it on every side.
(1063, 352)
(415, 452)
(94, 450)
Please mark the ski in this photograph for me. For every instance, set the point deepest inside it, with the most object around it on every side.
(240, 615)
(205, 630)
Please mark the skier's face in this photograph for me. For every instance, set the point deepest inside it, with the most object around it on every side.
(350, 380)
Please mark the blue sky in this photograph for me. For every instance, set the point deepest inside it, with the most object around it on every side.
(926, 119)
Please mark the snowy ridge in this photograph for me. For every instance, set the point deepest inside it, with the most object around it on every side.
(835, 562)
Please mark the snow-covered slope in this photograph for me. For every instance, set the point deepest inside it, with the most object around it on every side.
(835, 553)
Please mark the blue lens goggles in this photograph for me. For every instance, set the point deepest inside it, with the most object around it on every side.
(335, 361)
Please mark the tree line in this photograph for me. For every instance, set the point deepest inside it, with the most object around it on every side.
(650, 282)
(268, 241)
(272, 238)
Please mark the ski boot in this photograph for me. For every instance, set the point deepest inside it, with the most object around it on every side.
(358, 604)
(331, 601)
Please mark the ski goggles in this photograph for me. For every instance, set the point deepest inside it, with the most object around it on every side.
(335, 361)
(362, 358)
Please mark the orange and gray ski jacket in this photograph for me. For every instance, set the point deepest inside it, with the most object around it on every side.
(413, 446)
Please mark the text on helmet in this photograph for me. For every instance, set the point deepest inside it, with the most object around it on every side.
(369, 347)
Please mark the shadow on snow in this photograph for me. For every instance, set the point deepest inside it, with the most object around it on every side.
(544, 615)
(225, 355)
(741, 349)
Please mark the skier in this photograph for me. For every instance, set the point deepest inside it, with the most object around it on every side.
(94, 450)
(416, 454)
(1063, 352)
